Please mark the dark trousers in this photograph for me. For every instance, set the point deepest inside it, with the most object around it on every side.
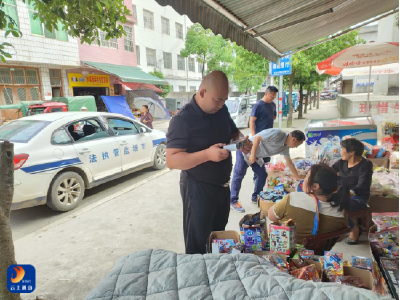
(266, 160)
(238, 174)
(355, 203)
(205, 209)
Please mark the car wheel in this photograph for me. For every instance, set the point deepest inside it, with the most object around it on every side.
(66, 191)
(160, 157)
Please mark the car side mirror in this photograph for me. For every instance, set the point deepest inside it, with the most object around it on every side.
(142, 130)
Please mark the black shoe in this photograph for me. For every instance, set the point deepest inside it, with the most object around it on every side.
(350, 241)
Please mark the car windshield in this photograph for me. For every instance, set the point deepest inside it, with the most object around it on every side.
(22, 131)
(232, 105)
(35, 111)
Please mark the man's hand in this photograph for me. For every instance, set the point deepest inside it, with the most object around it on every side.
(216, 154)
(252, 158)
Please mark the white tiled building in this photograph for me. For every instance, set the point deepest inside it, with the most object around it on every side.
(159, 37)
(37, 69)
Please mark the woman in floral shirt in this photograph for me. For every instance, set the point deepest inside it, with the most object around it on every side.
(146, 118)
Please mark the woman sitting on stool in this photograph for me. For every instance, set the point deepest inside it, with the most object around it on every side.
(355, 174)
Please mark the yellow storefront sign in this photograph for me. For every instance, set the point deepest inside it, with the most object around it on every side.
(91, 80)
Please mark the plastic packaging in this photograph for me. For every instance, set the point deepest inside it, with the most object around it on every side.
(333, 263)
(361, 262)
(385, 221)
(349, 280)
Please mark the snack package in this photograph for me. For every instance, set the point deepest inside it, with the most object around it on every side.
(222, 246)
(385, 221)
(309, 272)
(349, 280)
(333, 263)
(306, 254)
(361, 262)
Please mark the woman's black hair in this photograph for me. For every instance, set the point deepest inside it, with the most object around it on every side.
(146, 107)
(327, 179)
(353, 145)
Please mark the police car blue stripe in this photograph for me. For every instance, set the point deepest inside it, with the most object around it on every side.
(51, 166)
(159, 141)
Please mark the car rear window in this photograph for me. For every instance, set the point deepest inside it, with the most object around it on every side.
(22, 131)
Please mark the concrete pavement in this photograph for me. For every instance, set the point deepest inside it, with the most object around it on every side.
(74, 253)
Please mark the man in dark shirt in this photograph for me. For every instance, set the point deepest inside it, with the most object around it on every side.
(195, 139)
(262, 117)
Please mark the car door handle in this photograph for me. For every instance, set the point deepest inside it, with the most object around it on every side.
(123, 143)
(85, 151)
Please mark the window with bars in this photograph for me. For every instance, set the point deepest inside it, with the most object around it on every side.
(10, 9)
(192, 64)
(21, 94)
(179, 30)
(151, 57)
(110, 43)
(167, 60)
(138, 54)
(19, 76)
(165, 25)
(134, 12)
(182, 88)
(37, 27)
(34, 93)
(55, 77)
(181, 63)
(8, 96)
(32, 76)
(128, 42)
(148, 19)
(193, 88)
(5, 76)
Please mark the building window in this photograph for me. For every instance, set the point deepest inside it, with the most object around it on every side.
(110, 43)
(32, 76)
(134, 12)
(151, 57)
(182, 88)
(5, 76)
(179, 31)
(10, 9)
(167, 60)
(138, 54)
(128, 42)
(8, 95)
(37, 27)
(193, 88)
(191, 64)
(19, 76)
(148, 18)
(55, 77)
(165, 25)
(181, 63)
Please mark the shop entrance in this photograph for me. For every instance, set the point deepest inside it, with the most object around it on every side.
(97, 92)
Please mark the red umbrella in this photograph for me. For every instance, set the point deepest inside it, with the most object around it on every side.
(363, 55)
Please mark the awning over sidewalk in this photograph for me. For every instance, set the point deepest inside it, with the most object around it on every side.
(126, 73)
(141, 86)
(271, 28)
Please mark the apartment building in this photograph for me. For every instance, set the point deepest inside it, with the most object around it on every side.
(159, 37)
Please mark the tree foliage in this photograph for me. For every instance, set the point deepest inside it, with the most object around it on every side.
(209, 49)
(249, 69)
(81, 19)
(165, 87)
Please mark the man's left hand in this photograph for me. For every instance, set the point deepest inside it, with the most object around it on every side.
(247, 147)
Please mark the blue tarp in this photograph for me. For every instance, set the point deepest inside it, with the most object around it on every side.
(118, 105)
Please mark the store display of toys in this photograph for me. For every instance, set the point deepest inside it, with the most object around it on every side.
(390, 133)
(275, 166)
(386, 221)
(273, 194)
(282, 238)
(377, 151)
(361, 262)
(253, 233)
(385, 243)
(328, 153)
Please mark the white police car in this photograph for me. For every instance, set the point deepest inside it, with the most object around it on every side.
(58, 155)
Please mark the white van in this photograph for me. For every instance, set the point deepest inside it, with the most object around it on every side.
(240, 110)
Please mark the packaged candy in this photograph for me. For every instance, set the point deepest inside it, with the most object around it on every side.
(306, 254)
(361, 262)
(277, 262)
(386, 220)
(333, 263)
(349, 280)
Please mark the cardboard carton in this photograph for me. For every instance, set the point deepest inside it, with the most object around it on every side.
(222, 235)
(264, 206)
(382, 204)
(381, 162)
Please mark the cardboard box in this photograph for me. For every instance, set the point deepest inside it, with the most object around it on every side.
(381, 162)
(222, 235)
(390, 269)
(264, 206)
(282, 239)
(382, 204)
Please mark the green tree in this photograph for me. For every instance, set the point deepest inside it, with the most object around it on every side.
(165, 87)
(209, 49)
(81, 19)
(249, 69)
